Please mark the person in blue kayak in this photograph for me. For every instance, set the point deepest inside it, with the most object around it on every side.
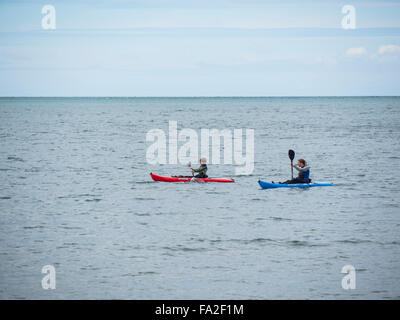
(202, 170)
(304, 173)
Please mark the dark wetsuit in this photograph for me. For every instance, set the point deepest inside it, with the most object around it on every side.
(304, 175)
(202, 171)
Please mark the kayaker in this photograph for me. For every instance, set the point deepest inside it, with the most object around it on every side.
(202, 170)
(304, 172)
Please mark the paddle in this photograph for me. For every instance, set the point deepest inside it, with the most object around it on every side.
(291, 157)
(190, 166)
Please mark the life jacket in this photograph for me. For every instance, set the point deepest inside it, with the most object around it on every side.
(203, 168)
(305, 175)
(202, 171)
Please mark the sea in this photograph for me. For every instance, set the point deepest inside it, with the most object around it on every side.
(76, 198)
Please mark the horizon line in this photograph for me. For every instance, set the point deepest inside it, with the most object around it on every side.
(272, 96)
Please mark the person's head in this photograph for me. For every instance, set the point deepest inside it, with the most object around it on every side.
(301, 162)
(203, 160)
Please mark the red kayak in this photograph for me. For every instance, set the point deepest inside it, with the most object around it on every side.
(187, 179)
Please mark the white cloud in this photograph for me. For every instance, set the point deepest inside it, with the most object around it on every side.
(356, 51)
(390, 48)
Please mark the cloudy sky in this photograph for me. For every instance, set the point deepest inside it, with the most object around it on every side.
(199, 48)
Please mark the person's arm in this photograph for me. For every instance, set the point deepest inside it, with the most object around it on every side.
(305, 168)
(201, 169)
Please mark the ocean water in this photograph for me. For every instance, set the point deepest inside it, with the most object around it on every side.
(75, 193)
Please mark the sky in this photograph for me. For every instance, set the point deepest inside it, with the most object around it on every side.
(199, 48)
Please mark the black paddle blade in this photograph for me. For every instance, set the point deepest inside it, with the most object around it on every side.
(291, 154)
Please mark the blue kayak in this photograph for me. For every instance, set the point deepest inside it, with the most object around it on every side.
(270, 185)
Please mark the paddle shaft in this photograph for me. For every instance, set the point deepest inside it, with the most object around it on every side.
(291, 161)
(190, 166)
(291, 155)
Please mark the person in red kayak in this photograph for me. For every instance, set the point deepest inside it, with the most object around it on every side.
(202, 170)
